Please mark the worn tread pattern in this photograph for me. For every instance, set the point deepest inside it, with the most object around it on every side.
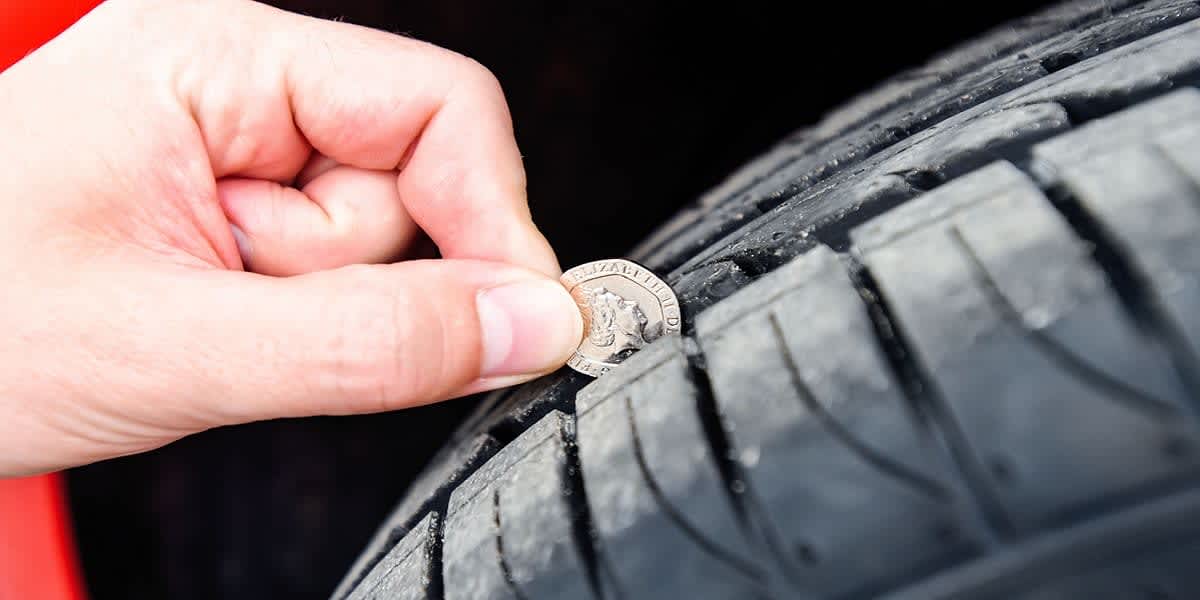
(857, 400)
(631, 440)
(526, 482)
(1074, 555)
(942, 345)
(431, 488)
(1024, 431)
(410, 569)
(1146, 220)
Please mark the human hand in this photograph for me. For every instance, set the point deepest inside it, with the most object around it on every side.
(140, 143)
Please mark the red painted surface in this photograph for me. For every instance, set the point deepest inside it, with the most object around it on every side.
(37, 554)
(27, 24)
(37, 549)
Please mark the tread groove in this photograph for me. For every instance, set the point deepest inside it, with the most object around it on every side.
(738, 489)
(919, 483)
(583, 528)
(1055, 352)
(1132, 286)
(437, 584)
(712, 548)
(504, 568)
(994, 524)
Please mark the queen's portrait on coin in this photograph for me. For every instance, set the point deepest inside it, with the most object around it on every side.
(617, 324)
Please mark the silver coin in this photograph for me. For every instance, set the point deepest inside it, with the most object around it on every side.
(624, 306)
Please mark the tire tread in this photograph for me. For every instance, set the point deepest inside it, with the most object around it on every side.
(943, 297)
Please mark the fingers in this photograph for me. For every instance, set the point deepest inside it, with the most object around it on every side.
(372, 100)
(452, 188)
(380, 101)
(340, 216)
(370, 338)
(317, 163)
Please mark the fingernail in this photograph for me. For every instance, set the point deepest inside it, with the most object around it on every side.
(528, 327)
(243, 242)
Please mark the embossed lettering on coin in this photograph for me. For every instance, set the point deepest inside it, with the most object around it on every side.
(624, 306)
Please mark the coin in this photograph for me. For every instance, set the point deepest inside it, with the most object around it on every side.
(624, 305)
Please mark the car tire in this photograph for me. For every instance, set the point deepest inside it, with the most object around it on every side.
(943, 344)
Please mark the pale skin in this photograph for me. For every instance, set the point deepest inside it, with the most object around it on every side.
(209, 209)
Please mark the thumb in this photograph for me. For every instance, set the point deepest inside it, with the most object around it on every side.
(368, 338)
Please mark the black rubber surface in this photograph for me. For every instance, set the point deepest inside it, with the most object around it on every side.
(942, 345)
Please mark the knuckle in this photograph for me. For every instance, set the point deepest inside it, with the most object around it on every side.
(365, 328)
(480, 79)
(392, 343)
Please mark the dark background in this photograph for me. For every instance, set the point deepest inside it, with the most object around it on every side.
(623, 111)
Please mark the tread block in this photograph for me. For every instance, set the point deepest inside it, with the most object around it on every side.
(406, 571)
(815, 172)
(491, 550)
(1154, 64)
(1138, 20)
(658, 490)
(960, 144)
(1061, 400)
(708, 285)
(1035, 38)
(930, 119)
(806, 391)
(1137, 173)
(451, 466)
(1162, 573)
(1138, 125)
(1148, 547)
(774, 242)
(1168, 571)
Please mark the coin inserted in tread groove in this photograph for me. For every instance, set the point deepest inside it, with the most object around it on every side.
(624, 305)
